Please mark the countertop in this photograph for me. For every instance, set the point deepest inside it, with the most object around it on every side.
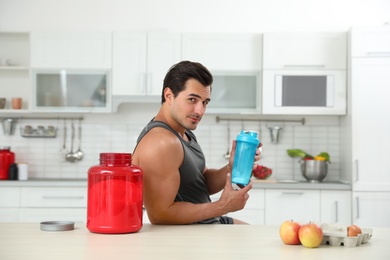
(20, 241)
(257, 184)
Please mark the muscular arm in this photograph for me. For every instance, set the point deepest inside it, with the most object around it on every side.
(159, 154)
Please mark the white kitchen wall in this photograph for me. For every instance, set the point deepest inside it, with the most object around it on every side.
(191, 16)
(117, 132)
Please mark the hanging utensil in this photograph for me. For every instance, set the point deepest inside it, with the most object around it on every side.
(63, 148)
(275, 133)
(227, 154)
(71, 157)
(79, 154)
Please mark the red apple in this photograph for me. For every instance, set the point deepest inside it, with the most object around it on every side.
(261, 172)
(310, 235)
(289, 231)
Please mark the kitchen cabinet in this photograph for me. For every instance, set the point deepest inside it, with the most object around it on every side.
(253, 213)
(336, 207)
(365, 130)
(14, 69)
(370, 41)
(35, 204)
(9, 204)
(370, 131)
(140, 62)
(71, 90)
(224, 52)
(371, 209)
(71, 50)
(370, 74)
(235, 62)
(71, 71)
(57, 203)
(323, 206)
(298, 205)
(303, 50)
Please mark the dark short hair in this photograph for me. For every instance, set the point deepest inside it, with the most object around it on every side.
(179, 73)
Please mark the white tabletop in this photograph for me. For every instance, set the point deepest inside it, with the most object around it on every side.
(19, 241)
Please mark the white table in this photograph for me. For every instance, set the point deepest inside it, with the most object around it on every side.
(20, 241)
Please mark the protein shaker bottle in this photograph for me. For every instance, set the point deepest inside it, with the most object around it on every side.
(114, 203)
(246, 145)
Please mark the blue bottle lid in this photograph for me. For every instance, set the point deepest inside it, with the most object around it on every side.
(248, 136)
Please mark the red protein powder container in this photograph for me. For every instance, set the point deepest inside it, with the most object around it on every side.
(114, 195)
(6, 159)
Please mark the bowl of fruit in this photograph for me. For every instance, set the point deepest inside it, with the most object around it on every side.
(313, 168)
(261, 172)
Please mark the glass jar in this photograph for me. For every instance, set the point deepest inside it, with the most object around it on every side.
(6, 159)
(114, 203)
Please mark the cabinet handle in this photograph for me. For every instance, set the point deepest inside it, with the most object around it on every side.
(292, 193)
(336, 203)
(357, 208)
(381, 53)
(62, 197)
(304, 66)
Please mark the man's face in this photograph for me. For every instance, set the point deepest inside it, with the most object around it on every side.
(189, 106)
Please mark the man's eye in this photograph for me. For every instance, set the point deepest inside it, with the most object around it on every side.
(205, 103)
(192, 100)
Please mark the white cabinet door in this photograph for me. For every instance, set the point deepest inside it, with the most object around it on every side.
(53, 214)
(336, 207)
(235, 62)
(371, 209)
(9, 204)
(164, 50)
(88, 50)
(224, 52)
(305, 50)
(9, 197)
(299, 205)
(141, 61)
(58, 197)
(370, 127)
(129, 63)
(370, 41)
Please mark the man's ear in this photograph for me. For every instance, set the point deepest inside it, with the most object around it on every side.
(168, 94)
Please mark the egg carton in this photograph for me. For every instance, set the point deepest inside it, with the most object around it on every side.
(337, 235)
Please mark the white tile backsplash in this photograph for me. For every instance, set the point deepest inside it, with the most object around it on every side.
(118, 133)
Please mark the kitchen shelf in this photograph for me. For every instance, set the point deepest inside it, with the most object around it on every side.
(35, 133)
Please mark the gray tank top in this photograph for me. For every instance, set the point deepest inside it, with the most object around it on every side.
(192, 183)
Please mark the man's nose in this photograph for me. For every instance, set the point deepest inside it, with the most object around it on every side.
(200, 108)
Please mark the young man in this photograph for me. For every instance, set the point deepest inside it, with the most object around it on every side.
(177, 183)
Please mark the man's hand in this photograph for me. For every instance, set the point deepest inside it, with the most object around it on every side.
(232, 199)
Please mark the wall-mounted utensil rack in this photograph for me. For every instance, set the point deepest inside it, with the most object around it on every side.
(9, 122)
(302, 120)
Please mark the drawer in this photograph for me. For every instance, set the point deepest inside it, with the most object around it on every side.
(59, 197)
(53, 214)
(9, 197)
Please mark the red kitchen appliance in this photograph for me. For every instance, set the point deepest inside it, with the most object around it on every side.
(6, 159)
(114, 203)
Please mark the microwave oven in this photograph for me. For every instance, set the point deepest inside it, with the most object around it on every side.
(304, 92)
